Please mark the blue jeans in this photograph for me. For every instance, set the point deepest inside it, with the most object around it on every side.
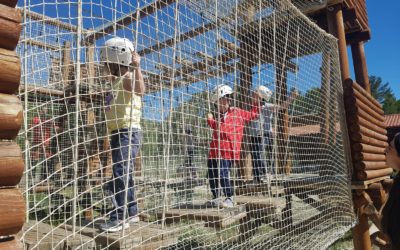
(224, 167)
(122, 166)
(256, 156)
(258, 144)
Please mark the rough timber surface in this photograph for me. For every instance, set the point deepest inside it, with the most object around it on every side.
(41, 236)
(261, 206)
(142, 235)
(213, 217)
(263, 188)
(365, 184)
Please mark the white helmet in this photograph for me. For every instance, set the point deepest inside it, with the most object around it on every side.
(264, 92)
(220, 91)
(117, 50)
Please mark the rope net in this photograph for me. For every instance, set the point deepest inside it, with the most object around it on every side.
(268, 172)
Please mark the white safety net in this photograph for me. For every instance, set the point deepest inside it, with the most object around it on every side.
(176, 167)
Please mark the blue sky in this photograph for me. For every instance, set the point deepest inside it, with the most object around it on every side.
(383, 50)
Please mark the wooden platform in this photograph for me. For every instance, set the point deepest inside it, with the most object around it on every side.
(265, 209)
(143, 236)
(213, 217)
(257, 189)
(41, 236)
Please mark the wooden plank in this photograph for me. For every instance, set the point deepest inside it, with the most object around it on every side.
(11, 115)
(213, 217)
(10, 71)
(366, 183)
(263, 189)
(260, 205)
(12, 211)
(127, 19)
(38, 235)
(11, 164)
(136, 237)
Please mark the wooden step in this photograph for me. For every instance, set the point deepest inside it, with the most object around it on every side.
(38, 235)
(142, 235)
(261, 207)
(257, 189)
(213, 217)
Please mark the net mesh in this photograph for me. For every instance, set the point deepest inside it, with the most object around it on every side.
(289, 180)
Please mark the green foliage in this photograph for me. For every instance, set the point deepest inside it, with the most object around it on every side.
(308, 103)
(384, 94)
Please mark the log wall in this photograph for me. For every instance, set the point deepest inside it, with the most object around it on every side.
(367, 133)
(12, 205)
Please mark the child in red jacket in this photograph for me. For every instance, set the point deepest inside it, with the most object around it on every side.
(226, 142)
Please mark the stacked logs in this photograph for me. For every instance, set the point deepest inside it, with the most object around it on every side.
(367, 133)
(12, 207)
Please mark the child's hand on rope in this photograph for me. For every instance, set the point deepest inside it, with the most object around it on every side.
(210, 116)
(295, 94)
(135, 60)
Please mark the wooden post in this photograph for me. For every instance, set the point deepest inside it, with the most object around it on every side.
(336, 28)
(90, 66)
(282, 117)
(66, 62)
(325, 92)
(361, 239)
(360, 65)
(247, 51)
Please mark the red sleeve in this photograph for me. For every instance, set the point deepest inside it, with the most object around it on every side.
(252, 114)
(212, 123)
(36, 120)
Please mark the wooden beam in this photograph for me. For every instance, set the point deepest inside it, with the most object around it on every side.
(127, 19)
(40, 44)
(41, 90)
(49, 20)
(361, 36)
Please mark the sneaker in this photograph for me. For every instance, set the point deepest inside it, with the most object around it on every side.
(213, 203)
(134, 219)
(113, 226)
(228, 203)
